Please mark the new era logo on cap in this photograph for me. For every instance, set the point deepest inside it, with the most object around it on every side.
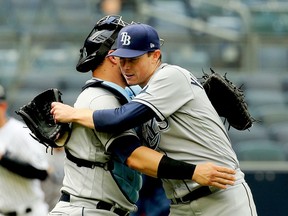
(135, 40)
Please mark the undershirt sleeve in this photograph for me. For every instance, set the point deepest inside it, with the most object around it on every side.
(123, 118)
(123, 147)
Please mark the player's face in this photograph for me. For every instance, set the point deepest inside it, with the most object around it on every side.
(137, 71)
(3, 109)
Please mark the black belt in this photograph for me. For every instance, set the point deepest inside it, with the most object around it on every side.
(100, 205)
(194, 195)
(14, 213)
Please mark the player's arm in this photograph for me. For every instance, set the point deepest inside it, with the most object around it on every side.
(119, 119)
(22, 168)
(204, 174)
(155, 164)
(142, 158)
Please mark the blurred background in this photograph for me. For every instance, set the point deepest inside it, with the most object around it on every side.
(247, 39)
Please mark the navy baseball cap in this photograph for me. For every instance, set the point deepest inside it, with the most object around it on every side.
(135, 40)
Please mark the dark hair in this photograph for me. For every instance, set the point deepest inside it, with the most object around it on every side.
(150, 53)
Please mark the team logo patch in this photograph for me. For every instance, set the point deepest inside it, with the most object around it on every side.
(151, 134)
(125, 39)
(195, 82)
(163, 125)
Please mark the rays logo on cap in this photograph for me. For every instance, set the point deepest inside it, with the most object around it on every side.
(135, 40)
(125, 38)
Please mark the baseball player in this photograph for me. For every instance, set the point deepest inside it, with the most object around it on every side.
(97, 180)
(23, 166)
(52, 185)
(191, 130)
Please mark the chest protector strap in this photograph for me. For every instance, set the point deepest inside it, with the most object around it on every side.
(119, 92)
(89, 164)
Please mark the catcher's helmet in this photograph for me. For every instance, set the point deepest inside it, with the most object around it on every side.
(99, 41)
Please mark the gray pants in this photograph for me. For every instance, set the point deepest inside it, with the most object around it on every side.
(68, 209)
(236, 200)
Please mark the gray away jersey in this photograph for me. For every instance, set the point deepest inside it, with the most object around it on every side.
(89, 144)
(191, 129)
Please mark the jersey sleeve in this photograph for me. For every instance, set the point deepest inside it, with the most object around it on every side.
(29, 150)
(168, 90)
(23, 147)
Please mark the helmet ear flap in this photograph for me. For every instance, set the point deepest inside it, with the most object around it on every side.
(83, 67)
(84, 63)
(89, 63)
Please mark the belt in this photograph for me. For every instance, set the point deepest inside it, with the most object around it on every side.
(14, 213)
(100, 205)
(194, 195)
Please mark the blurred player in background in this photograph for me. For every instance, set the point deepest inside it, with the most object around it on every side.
(111, 6)
(52, 185)
(23, 165)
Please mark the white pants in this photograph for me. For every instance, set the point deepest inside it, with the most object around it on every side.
(236, 200)
(38, 208)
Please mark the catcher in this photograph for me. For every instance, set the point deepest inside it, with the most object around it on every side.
(97, 179)
(190, 127)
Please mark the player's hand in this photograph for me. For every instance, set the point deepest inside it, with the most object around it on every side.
(65, 114)
(62, 112)
(209, 174)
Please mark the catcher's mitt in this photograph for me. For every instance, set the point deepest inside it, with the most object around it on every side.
(36, 114)
(228, 100)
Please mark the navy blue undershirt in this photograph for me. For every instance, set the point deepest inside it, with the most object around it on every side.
(124, 146)
(123, 118)
(120, 119)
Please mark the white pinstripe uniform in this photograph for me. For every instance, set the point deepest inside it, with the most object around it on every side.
(193, 132)
(19, 194)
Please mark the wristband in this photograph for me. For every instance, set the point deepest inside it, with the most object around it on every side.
(173, 169)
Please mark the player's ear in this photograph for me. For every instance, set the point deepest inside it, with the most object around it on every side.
(113, 59)
(156, 55)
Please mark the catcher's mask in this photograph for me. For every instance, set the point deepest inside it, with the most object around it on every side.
(99, 41)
